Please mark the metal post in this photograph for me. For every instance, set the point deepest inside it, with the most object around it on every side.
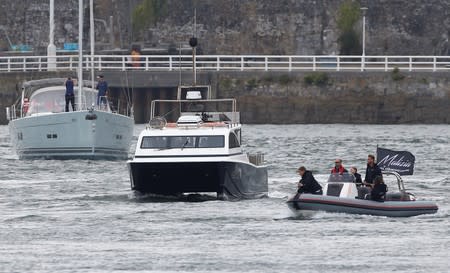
(51, 49)
(80, 52)
(92, 38)
(363, 59)
(111, 31)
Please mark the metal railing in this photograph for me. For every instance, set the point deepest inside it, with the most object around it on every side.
(228, 63)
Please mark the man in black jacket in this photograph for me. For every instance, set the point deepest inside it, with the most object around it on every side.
(308, 183)
(372, 171)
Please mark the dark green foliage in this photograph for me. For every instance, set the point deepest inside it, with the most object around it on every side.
(396, 75)
(251, 83)
(285, 79)
(147, 13)
(348, 16)
(317, 78)
(225, 83)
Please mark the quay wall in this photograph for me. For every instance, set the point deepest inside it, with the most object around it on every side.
(283, 97)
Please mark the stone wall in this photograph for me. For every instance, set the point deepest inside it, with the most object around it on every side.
(400, 27)
(279, 98)
(374, 98)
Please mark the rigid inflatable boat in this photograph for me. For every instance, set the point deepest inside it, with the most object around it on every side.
(342, 195)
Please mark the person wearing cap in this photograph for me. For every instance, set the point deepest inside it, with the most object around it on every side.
(70, 95)
(308, 184)
(102, 87)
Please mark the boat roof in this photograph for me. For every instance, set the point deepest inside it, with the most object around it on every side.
(171, 129)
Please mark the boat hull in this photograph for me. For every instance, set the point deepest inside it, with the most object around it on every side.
(71, 135)
(310, 202)
(230, 180)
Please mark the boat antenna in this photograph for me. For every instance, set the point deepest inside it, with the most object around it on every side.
(92, 38)
(80, 52)
(193, 43)
(179, 65)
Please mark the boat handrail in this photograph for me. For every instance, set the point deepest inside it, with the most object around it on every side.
(401, 185)
(204, 124)
(234, 118)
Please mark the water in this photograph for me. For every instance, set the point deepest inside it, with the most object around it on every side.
(80, 216)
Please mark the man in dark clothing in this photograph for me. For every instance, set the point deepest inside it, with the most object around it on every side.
(102, 87)
(338, 167)
(379, 189)
(308, 183)
(70, 96)
(372, 171)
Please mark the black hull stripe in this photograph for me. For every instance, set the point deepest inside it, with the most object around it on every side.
(360, 206)
(175, 156)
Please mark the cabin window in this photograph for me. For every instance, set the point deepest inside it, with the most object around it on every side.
(172, 142)
(233, 141)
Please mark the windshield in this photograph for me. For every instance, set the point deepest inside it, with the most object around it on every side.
(54, 101)
(170, 142)
(345, 177)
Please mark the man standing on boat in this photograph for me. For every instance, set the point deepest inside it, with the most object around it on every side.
(338, 167)
(372, 171)
(308, 184)
(102, 87)
(70, 95)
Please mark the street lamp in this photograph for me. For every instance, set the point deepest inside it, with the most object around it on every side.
(364, 10)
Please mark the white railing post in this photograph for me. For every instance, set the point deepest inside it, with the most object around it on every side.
(242, 63)
(386, 64)
(266, 64)
(9, 64)
(39, 65)
(338, 63)
(100, 67)
(170, 63)
(146, 63)
(434, 64)
(410, 63)
(290, 63)
(218, 64)
(70, 62)
(123, 63)
(314, 63)
(363, 62)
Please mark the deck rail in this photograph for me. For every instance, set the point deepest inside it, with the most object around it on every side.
(226, 63)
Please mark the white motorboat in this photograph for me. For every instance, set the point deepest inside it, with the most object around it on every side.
(199, 151)
(342, 195)
(40, 127)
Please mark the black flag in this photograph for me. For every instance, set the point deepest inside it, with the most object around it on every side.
(397, 161)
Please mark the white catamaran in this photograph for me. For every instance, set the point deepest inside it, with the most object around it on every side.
(40, 128)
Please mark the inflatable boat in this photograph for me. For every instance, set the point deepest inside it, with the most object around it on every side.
(342, 195)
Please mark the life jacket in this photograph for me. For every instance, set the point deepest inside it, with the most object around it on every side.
(340, 171)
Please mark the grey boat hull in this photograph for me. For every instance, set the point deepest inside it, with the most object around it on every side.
(309, 203)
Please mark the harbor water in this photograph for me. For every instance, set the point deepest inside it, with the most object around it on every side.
(81, 216)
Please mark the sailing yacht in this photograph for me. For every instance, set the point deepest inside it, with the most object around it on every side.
(40, 128)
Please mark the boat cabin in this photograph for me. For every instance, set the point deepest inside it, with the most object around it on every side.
(52, 100)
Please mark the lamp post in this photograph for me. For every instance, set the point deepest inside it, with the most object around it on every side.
(363, 59)
(51, 48)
